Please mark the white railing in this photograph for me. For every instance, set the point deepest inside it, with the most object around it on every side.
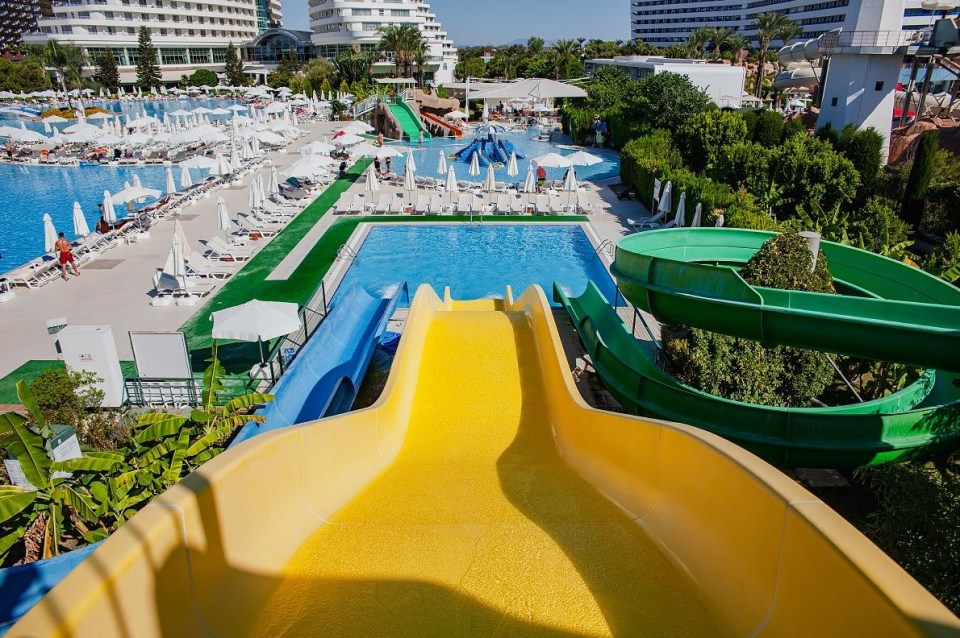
(866, 39)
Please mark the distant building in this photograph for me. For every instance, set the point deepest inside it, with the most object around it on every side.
(188, 34)
(722, 82)
(18, 17)
(265, 52)
(340, 25)
(667, 22)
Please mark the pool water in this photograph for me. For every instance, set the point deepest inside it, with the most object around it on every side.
(27, 192)
(428, 159)
(477, 260)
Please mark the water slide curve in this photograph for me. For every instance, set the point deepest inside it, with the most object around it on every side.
(480, 495)
(887, 311)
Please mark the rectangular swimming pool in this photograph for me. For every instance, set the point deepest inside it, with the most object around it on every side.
(477, 260)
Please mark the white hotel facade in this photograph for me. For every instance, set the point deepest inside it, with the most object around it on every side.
(352, 24)
(667, 22)
(188, 34)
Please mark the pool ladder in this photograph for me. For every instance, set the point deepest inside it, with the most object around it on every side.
(607, 246)
(345, 252)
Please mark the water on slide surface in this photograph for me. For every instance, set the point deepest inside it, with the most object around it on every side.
(479, 527)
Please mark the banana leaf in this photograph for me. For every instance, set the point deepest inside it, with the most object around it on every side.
(14, 500)
(27, 447)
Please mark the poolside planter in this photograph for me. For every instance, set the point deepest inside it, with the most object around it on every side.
(22, 586)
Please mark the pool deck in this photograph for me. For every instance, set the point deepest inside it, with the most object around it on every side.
(115, 289)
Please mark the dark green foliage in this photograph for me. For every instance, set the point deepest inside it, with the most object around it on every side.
(744, 370)
(148, 68)
(27, 76)
(203, 77)
(864, 148)
(915, 192)
(606, 89)
(793, 127)
(750, 119)
(707, 134)
(745, 164)
(65, 397)
(828, 134)
(665, 100)
(812, 176)
(944, 261)
(918, 522)
(876, 227)
(107, 74)
(769, 128)
(234, 67)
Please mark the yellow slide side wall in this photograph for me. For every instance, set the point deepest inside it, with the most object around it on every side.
(771, 557)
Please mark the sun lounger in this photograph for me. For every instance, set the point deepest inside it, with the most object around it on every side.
(222, 251)
(480, 205)
(503, 204)
(248, 225)
(557, 205)
(422, 206)
(36, 276)
(436, 204)
(542, 205)
(382, 205)
(181, 290)
(517, 205)
(465, 204)
(200, 266)
(585, 205)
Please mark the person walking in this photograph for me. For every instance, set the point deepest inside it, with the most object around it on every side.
(65, 251)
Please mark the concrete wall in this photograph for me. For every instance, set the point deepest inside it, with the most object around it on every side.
(853, 93)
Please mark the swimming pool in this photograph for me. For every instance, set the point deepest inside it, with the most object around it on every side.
(27, 192)
(477, 260)
(428, 159)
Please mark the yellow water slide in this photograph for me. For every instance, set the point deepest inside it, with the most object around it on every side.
(481, 496)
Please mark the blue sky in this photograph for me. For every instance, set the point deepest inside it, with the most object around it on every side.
(501, 21)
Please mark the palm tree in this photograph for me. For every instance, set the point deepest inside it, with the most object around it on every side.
(421, 56)
(66, 60)
(737, 44)
(768, 26)
(697, 42)
(789, 31)
(720, 38)
(403, 40)
(566, 52)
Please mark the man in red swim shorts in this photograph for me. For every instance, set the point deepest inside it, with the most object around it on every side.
(65, 252)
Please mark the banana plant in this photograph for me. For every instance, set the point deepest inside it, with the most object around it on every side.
(56, 500)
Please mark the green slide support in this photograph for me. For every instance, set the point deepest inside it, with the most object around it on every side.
(408, 120)
(921, 419)
(888, 311)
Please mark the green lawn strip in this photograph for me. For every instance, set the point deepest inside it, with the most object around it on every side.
(251, 282)
(30, 370)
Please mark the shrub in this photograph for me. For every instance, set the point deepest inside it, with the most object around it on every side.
(747, 165)
(915, 192)
(744, 370)
(812, 176)
(944, 261)
(864, 149)
(828, 134)
(769, 129)
(203, 77)
(793, 127)
(664, 100)
(706, 135)
(646, 158)
(750, 119)
(877, 227)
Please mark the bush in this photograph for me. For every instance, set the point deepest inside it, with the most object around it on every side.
(750, 119)
(793, 127)
(646, 158)
(828, 134)
(876, 227)
(944, 261)
(747, 165)
(744, 370)
(812, 176)
(665, 100)
(203, 77)
(915, 193)
(706, 135)
(864, 148)
(769, 129)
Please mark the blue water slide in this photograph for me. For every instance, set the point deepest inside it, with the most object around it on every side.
(324, 378)
(22, 586)
(493, 152)
(509, 147)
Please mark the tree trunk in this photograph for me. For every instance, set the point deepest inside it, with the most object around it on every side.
(761, 69)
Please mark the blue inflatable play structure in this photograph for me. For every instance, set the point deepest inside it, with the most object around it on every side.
(490, 149)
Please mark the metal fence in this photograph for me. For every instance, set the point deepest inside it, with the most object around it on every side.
(865, 39)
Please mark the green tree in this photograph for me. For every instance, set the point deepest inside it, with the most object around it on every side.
(606, 89)
(813, 177)
(705, 136)
(768, 26)
(319, 71)
(664, 100)
(719, 38)
(565, 54)
(203, 77)
(421, 55)
(769, 128)
(233, 67)
(27, 75)
(66, 60)
(535, 46)
(403, 41)
(877, 227)
(353, 66)
(915, 193)
(107, 74)
(697, 42)
(470, 68)
(792, 127)
(864, 148)
(148, 70)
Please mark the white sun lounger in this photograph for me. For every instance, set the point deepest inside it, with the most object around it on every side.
(343, 204)
(503, 204)
(382, 205)
(464, 204)
(543, 205)
(422, 206)
(200, 266)
(248, 225)
(222, 251)
(436, 203)
(517, 205)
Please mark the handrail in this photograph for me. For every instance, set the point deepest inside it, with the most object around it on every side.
(607, 246)
(349, 252)
(288, 348)
(365, 105)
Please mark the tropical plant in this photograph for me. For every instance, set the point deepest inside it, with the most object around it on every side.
(719, 38)
(788, 31)
(203, 77)
(319, 71)
(66, 60)
(864, 148)
(421, 55)
(233, 67)
(403, 41)
(944, 261)
(58, 505)
(148, 70)
(813, 176)
(768, 26)
(352, 66)
(107, 74)
(697, 42)
(565, 54)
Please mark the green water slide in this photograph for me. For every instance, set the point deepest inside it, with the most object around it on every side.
(408, 120)
(888, 311)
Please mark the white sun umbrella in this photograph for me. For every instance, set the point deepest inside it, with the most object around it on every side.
(171, 185)
(657, 187)
(456, 115)
(697, 216)
(224, 222)
(409, 177)
(373, 182)
(490, 183)
(96, 116)
(28, 136)
(582, 158)
(410, 161)
(109, 213)
(200, 161)
(185, 179)
(450, 185)
(317, 148)
(255, 147)
(666, 199)
(552, 160)
(530, 183)
(681, 208)
(257, 321)
(474, 164)
(255, 199)
(80, 227)
(347, 139)
(442, 164)
(358, 127)
(175, 266)
(49, 233)
(260, 188)
(181, 234)
(273, 188)
(56, 119)
(238, 108)
(570, 183)
(512, 169)
(234, 158)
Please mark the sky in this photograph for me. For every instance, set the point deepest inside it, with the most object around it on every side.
(502, 21)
